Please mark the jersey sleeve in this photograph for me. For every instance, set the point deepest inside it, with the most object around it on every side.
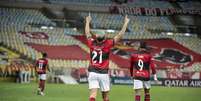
(47, 63)
(89, 42)
(153, 66)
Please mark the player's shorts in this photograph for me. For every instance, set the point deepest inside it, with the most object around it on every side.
(98, 80)
(42, 76)
(139, 84)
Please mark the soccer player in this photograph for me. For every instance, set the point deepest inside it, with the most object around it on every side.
(99, 58)
(141, 64)
(41, 67)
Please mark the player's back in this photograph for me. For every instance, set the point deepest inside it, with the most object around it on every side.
(99, 53)
(141, 62)
(41, 65)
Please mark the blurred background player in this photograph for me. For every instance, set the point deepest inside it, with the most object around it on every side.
(41, 67)
(141, 64)
(99, 58)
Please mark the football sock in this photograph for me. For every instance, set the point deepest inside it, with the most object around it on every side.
(137, 97)
(147, 97)
(106, 100)
(92, 99)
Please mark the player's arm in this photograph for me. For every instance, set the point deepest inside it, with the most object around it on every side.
(131, 67)
(87, 27)
(153, 69)
(123, 30)
(36, 66)
(48, 68)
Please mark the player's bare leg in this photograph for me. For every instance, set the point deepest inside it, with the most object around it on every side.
(93, 94)
(137, 94)
(146, 95)
(42, 87)
(39, 87)
(105, 96)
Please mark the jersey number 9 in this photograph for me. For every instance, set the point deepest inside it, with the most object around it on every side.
(140, 64)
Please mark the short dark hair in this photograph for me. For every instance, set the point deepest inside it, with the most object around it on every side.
(44, 55)
(143, 45)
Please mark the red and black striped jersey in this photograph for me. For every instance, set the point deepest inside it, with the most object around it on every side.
(141, 64)
(41, 66)
(99, 54)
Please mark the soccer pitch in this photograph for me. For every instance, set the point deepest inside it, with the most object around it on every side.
(61, 92)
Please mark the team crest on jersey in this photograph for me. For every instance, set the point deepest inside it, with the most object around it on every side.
(174, 56)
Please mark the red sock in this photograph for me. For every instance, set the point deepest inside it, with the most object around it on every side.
(106, 100)
(147, 97)
(137, 97)
(92, 99)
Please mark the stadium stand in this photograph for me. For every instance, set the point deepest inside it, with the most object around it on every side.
(131, 3)
(149, 4)
(138, 24)
(19, 33)
(12, 37)
(82, 1)
(190, 5)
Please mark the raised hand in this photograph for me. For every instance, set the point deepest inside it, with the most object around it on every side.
(88, 18)
(126, 19)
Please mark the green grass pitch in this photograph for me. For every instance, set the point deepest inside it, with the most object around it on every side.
(61, 92)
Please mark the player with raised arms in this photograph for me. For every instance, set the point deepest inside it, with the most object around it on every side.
(141, 64)
(41, 68)
(100, 48)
